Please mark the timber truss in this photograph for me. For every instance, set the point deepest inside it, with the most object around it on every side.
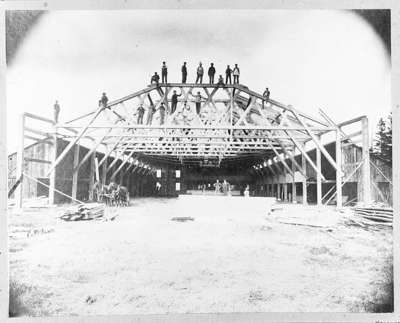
(233, 124)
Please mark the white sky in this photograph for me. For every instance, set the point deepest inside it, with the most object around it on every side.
(308, 58)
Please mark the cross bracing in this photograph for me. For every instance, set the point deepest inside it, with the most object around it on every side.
(210, 125)
(232, 121)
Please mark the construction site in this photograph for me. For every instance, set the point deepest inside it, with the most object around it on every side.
(305, 223)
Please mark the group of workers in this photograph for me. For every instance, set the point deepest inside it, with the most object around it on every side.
(198, 98)
(199, 74)
(150, 113)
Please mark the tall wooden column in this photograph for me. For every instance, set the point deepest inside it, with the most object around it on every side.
(279, 190)
(273, 187)
(53, 157)
(19, 192)
(319, 179)
(91, 175)
(285, 195)
(76, 173)
(339, 170)
(121, 176)
(304, 166)
(366, 171)
(294, 193)
(104, 171)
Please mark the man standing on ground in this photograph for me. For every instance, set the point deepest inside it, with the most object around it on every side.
(164, 73)
(184, 73)
(228, 73)
(140, 112)
(211, 73)
(217, 186)
(200, 72)
(56, 111)
(158, 188)
(174, 101)
(236, 74)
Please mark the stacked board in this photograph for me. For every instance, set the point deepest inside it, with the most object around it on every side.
(382, 216)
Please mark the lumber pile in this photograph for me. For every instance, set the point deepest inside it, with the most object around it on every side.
(373, 217)
(84, 212)
(379, 215)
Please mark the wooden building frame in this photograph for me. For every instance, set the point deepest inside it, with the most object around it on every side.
(234, 124)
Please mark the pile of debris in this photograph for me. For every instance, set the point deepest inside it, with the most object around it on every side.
(84, 212)
(375, 215)
(182, 218)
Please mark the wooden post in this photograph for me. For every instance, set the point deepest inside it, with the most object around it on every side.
(279, 190)
(128, 181)
(338, 170)
(20, 163)
(104, 172)
(319, 179)
(52, 179)
(284, 184)
(91, 175)
(366, 171)
(96, 166)
(294, 193)
(304, 165)
(76, 173)
(121, 176)
(273, 187)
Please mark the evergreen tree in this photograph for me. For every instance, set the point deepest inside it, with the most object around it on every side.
(382, 147)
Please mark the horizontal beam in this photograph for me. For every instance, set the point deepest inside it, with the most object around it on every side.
(249, 127)
(34, 116)
(37, 132)
(347, 122)
(39, 140)
(35, 160)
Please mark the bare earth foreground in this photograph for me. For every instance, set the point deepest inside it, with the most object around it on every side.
(228, 259)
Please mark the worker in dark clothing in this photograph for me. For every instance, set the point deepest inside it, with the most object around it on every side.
(164, 72)
(174, 101)
(56, 111)
(220, 80)
(155, 78)
(140, 112)
(162, 113)
(103, 101)
(184, 73)
(200, 72)
(228, 73)
(150, 114)
(211, 73)
(236, 74)
(266, 95)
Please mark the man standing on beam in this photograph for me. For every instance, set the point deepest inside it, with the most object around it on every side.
(164, 72)
(184, 73)
(211, 73)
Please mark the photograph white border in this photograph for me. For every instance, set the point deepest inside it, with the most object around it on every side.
(393, 5)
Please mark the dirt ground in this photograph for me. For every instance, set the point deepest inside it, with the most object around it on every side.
(228, 259)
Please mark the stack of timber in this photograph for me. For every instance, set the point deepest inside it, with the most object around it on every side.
(84, 212)
(374, 215)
